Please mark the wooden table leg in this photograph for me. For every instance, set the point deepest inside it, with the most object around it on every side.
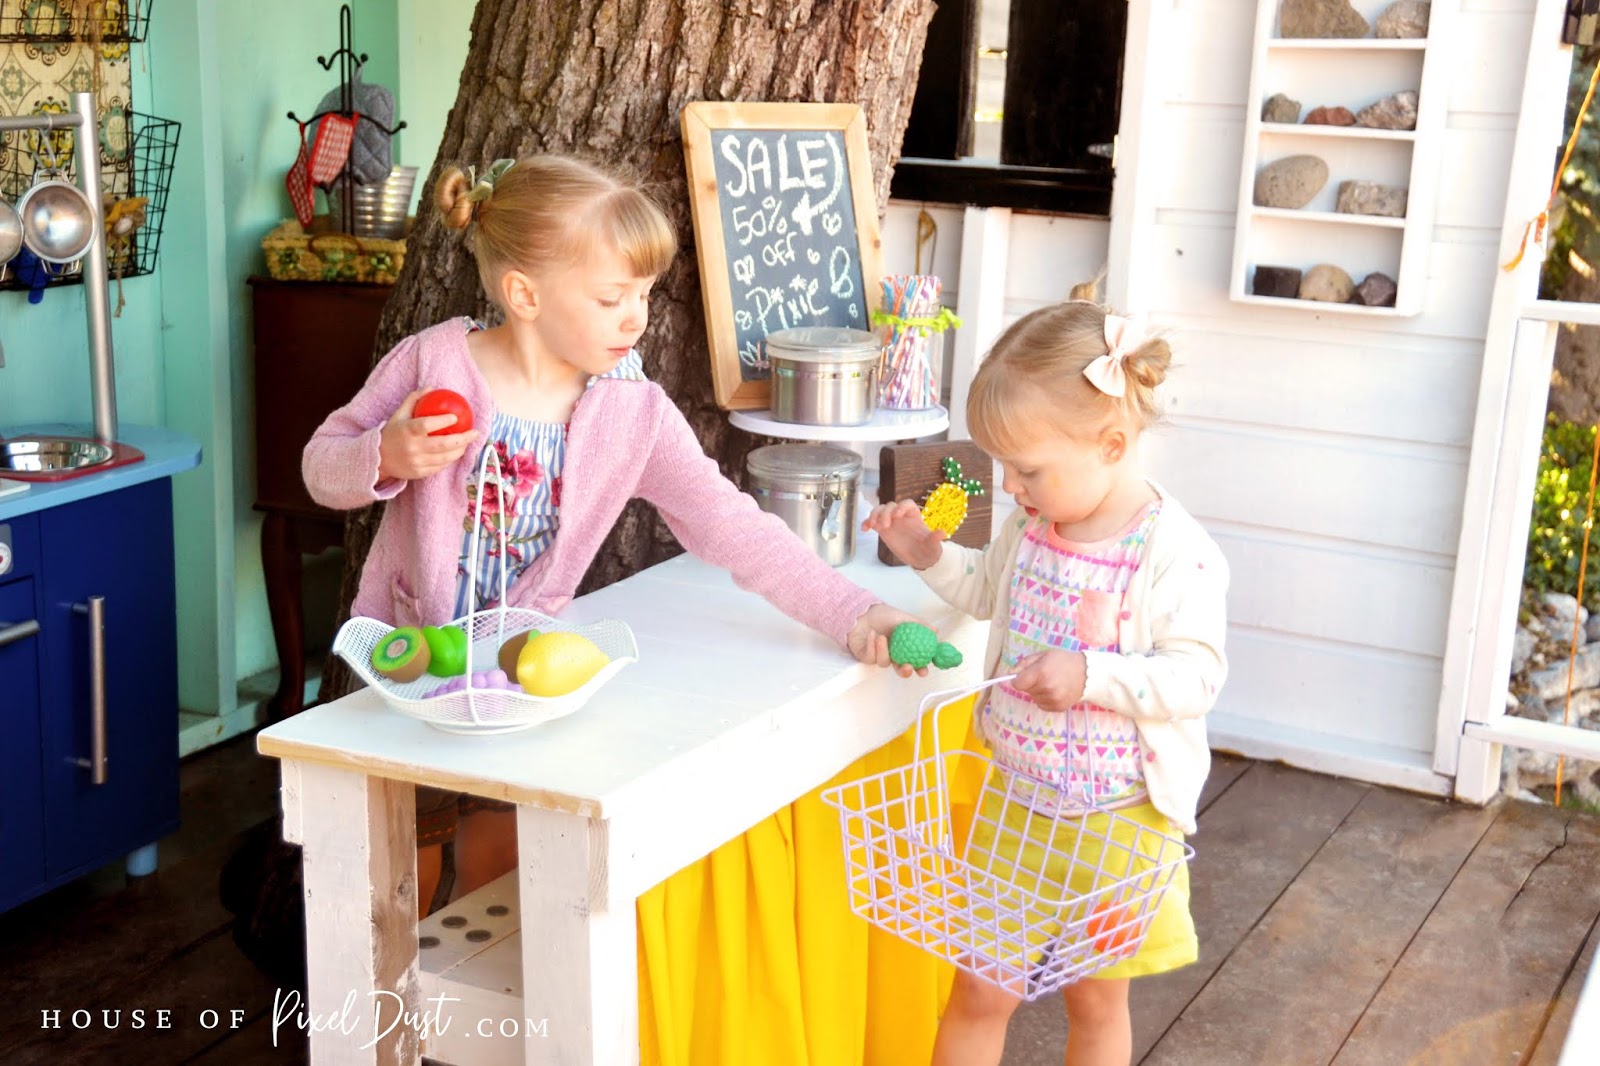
(280, 563)
(579, 954)
(360, 865)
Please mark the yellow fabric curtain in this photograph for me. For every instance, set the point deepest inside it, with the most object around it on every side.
(752, 957)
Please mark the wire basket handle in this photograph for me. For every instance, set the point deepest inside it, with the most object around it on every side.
(939, 822)
(487, 456)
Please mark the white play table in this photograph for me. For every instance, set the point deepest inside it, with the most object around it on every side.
(732, 712)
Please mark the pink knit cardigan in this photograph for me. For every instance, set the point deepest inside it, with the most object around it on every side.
(626, 439)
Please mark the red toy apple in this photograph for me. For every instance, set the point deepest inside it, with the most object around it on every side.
(444, 402)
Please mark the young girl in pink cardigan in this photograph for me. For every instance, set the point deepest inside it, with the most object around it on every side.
(569, 255)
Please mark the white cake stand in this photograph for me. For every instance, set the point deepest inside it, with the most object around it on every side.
(886, 425)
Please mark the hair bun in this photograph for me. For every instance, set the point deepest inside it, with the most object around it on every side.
(1147, 364)
(450, 197)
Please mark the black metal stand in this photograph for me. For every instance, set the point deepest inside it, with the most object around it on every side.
(349, 63)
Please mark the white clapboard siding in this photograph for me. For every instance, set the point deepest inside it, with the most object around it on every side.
(1402, 496)
(1049, 254)
(1351, 595)
(1326, 385)
(1357, 693)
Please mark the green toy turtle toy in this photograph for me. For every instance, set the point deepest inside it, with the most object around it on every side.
(914, 644)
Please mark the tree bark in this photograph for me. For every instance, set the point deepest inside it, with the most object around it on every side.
(607, 80)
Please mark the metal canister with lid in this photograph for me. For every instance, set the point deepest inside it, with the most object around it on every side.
(813, 488)
(824, 375)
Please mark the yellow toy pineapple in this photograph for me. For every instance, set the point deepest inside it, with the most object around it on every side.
(946, 506)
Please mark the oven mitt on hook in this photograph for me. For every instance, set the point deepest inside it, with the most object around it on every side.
(331, 149)
(372, 151)
(298, 182)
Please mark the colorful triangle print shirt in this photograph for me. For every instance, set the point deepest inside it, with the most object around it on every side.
(1069, 596)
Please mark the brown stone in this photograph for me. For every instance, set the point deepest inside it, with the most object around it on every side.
(1375, 290)
(1371, 198)
(1276, 281)
(1397, 112)
(1404, 18)
(1328, 284)
(1330, 116)
(1280, 108)
(1290, 182)
(1320, 18)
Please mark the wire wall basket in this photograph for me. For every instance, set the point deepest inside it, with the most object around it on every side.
(31, 21)
(138, 155)
(1045, 890)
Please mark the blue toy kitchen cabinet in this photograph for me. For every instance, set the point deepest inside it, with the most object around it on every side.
(88, 686)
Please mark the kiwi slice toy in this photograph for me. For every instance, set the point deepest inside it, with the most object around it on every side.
(448, 645)
(403, 655)
(513, 648)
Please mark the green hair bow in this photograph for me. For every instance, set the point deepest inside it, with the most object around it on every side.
(480, 189)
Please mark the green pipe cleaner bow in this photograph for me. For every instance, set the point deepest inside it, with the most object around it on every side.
(945, 319)
(481, 189)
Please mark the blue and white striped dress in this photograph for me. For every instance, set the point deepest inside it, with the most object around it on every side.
(532, 455)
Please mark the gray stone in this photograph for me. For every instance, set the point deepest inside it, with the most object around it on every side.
(1591, 629)
(1551, 682)
(1279, 108)
(1290, 182)
(1397, 112)
(1521, 649)
(1371, 198)
(1276, 281)
(1560, 608)
(1376, 290)
(1328, 284)
(1320, 18)
(1404, 18)
(1330, 116)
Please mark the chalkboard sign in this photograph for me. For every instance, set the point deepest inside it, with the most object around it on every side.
(786, 229)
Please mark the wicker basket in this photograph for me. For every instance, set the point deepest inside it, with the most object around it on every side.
(295, 255)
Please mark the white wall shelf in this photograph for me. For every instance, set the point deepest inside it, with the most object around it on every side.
(1357, 133)
(1350, 73)
(1349, 44)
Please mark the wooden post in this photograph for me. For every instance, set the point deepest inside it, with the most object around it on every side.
(360, 844)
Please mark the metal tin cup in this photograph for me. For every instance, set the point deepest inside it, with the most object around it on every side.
(824, 375)
(812, 487)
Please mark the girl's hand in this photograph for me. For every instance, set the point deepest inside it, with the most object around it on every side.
(869, 637)
(1054, 679)
(901, 527)
(406, 451)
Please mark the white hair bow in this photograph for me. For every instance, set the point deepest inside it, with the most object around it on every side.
(1123, 335)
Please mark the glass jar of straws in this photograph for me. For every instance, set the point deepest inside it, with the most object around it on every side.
(914, 325)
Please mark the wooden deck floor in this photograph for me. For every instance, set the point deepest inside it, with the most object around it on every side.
(1339, 923)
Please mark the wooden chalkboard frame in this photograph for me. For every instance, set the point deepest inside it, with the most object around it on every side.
(700, 119)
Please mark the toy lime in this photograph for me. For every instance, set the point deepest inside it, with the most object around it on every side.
(946, 507)
(403, 655)
(914, 644)
(447, 646)
(554, 664)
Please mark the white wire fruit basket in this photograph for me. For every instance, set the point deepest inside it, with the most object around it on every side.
(1047, 888)
(470, 702)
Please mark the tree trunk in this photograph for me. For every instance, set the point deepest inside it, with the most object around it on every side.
(607, 80)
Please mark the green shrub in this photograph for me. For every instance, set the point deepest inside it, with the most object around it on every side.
(1560, 497)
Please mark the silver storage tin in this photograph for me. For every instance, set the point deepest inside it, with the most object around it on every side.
(824, 375)
(812, 487)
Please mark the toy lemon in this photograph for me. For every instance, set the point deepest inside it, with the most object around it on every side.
(554, 664)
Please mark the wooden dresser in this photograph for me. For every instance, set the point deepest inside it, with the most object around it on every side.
(313, 350)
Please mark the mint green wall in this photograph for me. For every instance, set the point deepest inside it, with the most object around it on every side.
(433, 39)
(230, 72)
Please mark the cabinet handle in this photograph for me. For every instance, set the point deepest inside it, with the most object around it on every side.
(95, 608)
(10, 634)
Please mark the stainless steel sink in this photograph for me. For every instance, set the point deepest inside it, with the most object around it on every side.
(42, 455)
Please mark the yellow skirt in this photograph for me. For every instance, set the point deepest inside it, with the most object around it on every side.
(752, 957)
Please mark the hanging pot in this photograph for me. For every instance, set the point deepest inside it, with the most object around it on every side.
(10, 232)
(58, 221)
